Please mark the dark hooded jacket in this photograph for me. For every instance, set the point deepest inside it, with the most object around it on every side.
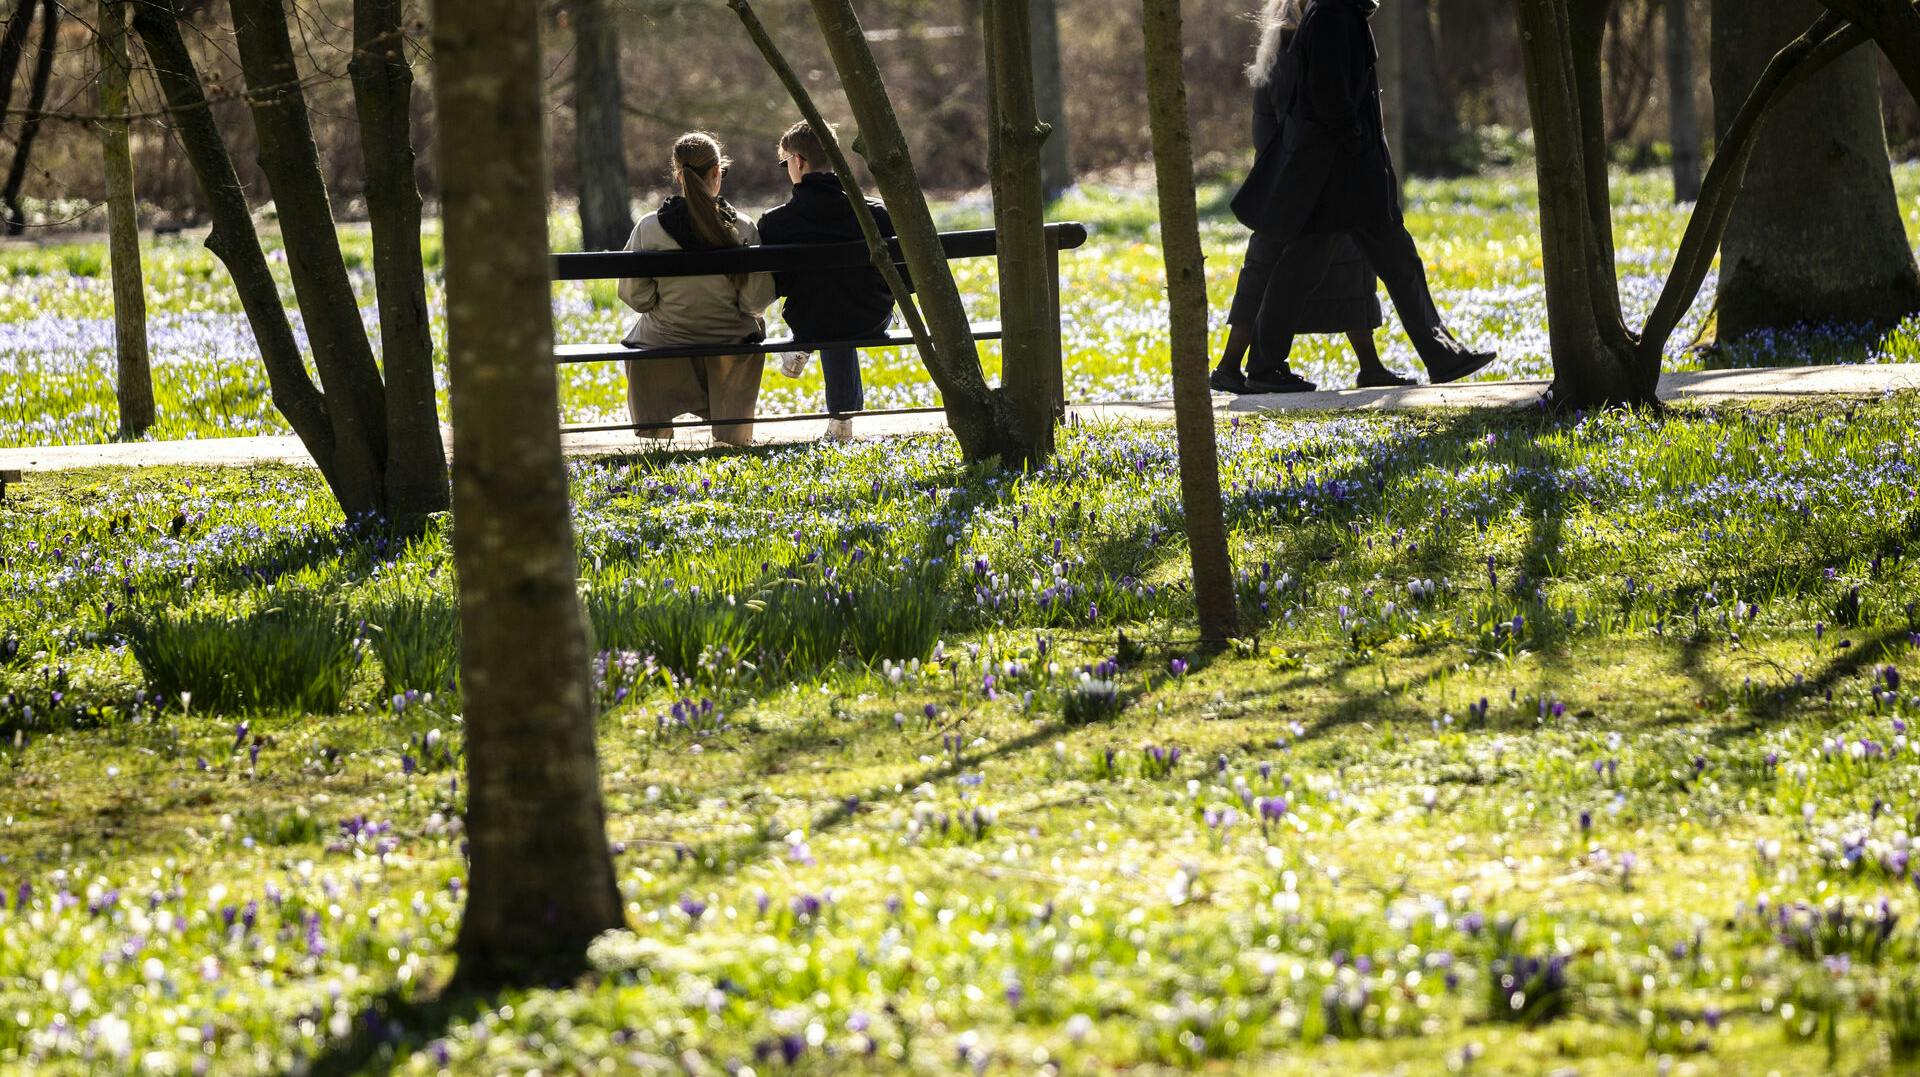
(1324, 165)
(836, 305)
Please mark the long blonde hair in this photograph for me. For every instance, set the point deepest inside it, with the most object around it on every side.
(1277, 20)
(695, 156)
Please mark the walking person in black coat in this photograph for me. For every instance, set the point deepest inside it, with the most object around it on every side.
(1328, 172)
(1345, 302)
(843, 304)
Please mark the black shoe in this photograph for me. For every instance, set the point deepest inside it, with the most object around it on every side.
(1464, 365)
(1280, 381)
(1227, 380)
(1383, 379)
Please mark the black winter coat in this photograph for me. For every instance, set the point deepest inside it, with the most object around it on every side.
(833, 305)
(1326, 167)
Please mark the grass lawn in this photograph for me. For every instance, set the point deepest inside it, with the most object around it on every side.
(1555, 745)
(1479, 236)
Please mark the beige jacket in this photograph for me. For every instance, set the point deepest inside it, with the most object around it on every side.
(694, 310)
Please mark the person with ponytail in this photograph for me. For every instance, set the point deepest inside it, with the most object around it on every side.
(682, 311)
(1323, 182)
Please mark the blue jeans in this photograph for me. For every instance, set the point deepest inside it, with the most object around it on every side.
(840, 367)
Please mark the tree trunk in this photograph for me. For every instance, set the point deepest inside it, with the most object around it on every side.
(416, 478)
(1213, 593)
(36, 101)
(1817, 236)
(1050, 94)
(1014, 141)
(606, 214)
(233, 239)
(1389, 40)
(1683, 128)
(135, 374)
(13, 45)
(982, 421)
(542, 880)
(1596, 360)
(328, 307)
(1432, 131)
(1895, 27)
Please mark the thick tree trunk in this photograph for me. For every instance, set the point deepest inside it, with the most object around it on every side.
(328, 307)
(542, 883)
(982, 421)
(1432, 129)
(1213, 593)
(1817, 236)
(233, 239)
(1596, 359)
(135, 373)
(1683, 118)
(416, 478)
(1014, 141)
(606, 214)
(36, 101)
(1050, 94)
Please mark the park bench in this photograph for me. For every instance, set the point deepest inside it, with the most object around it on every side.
(7, 476)
(809, 257)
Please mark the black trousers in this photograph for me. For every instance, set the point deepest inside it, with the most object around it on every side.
(1303, 265)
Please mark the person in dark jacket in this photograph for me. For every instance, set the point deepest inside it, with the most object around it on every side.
(846, 304)
(1345, 302)
(1333, 175)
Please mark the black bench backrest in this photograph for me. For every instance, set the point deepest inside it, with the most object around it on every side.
(618, 265)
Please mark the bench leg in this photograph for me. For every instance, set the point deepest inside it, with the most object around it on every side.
(1056, 374)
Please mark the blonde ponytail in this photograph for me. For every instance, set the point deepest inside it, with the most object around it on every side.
(1278, 20)
(695, 156)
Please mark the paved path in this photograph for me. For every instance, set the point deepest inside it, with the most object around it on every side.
(1704, 386)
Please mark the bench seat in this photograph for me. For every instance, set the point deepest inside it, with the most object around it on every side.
(604, 353)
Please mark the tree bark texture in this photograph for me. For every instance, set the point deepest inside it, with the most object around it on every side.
(1817, 236)
(1597, 360)
(233, 239)
(1050, 94)
(36, 101)
(542, 884)
(606, 214)
(1029, 346)
(416, 474)
(328, 307)
(1683, 117)
(982, 421)
(13, 46)
(134, 372)
(1213, 592)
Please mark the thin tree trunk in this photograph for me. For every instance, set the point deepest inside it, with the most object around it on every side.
(980, 417)
(1015, 138)
(1213, 593)
(1683, 118)
(328, 307)
(1050, 93)
(135, 374)
(542, 884)
(30, 128)
(878, 250)
(13, 46)
(1817, 236)
(416, 477)
(233, 239)
(606, 214)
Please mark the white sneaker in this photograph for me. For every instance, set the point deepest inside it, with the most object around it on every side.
(794, 364)
(840, 430)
